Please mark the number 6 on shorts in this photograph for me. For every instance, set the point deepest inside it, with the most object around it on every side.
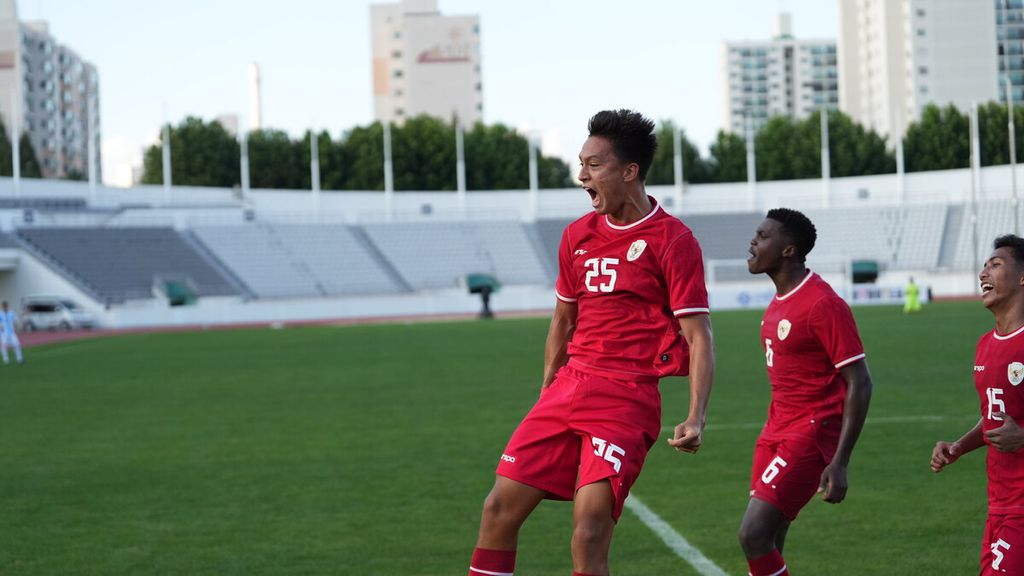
(773, 469)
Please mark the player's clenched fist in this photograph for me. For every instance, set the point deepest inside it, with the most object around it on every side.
(688, 437)
(944, 454)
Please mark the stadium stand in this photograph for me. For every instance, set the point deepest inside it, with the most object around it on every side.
(995, 218)
(300, 261)
(724, 236)
(895, 237)
(8, 241)
(920, 244)
(721, 236)
(951, 236)
(118, 264)
(549, 233)
(45, 203)
(432, 255)
(340, 259)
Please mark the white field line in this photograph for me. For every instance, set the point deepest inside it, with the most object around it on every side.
(870, 421)
(69, 347)
(672, 539)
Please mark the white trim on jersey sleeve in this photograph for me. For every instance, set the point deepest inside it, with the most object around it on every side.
(688, 311)
(850, 360)
(564, 298)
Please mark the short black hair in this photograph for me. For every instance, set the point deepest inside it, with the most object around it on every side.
(1014, 243)
(632, 136)
(798, 227)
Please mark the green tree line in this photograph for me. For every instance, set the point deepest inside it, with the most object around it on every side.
(790, 149)
(28, 161)
(423, 153)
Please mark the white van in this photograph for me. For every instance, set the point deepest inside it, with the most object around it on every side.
(52, 313)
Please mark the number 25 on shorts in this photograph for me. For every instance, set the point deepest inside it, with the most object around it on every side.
(609, 452)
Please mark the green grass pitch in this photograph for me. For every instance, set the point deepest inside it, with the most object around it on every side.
(367, 450)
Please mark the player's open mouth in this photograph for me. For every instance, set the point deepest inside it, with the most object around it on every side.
(593, 195)
(986, 288)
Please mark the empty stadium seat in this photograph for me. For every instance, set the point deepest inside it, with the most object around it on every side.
(119, 264)
(297, 261)
(432, 255)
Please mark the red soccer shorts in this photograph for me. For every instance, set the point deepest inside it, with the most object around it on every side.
(1002, 550)
(787, 470)
(584, 429)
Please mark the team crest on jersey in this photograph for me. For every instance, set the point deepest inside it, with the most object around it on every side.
(635, 250)
(784, 327)
(1015, 372)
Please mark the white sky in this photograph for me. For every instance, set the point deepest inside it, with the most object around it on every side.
(548, 65)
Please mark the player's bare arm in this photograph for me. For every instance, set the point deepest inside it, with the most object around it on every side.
(1007, 438)
(858, 398)
(945, 453)
(563, 324)
(696, 329)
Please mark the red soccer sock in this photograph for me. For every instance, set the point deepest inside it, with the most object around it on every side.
(771, 564)
(492, 562)
(581, 574)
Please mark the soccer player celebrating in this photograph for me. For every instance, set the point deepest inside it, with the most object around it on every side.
(820, 391)
(631, 307)
(998, 373)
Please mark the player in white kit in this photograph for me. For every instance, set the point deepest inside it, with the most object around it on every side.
(8, 335)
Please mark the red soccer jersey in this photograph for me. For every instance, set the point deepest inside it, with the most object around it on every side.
(998, 372)
(630, 284)
(808, 334)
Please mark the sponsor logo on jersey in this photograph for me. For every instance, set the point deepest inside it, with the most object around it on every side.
(784, 326)
(509, 459)
(579, 252)
(979, 368)
(1015, 372)
(635, 250)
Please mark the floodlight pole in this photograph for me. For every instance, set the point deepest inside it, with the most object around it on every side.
(900, 168)
(90, 104)
(677, 165)
(973, 121)
(166, 166)
(314, 169)
(243, 143)
(825, 161)
(1013, 156)
(15, 141)
(389, 182)
(751, 164)
(1015, 201)
(460, 168)
(534, 187)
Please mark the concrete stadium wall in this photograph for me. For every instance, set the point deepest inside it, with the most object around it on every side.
(31, 277)
(947, 186)
(192, 206)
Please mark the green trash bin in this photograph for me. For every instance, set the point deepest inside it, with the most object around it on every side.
(484, 285)
(864, 271)
(179, 294)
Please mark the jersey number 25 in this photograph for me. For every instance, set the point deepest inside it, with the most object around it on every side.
(601, 268)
